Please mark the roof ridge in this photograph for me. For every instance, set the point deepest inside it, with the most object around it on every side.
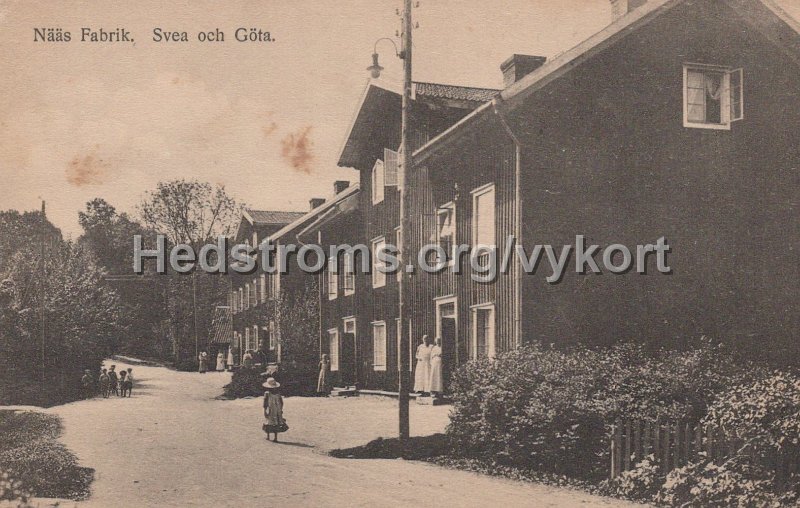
(457, 86)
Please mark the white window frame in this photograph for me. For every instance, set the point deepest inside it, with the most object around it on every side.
(726, 104)
(378, 276)
(247, 344)
(378, 185)
(477, 193)
(273, 336)
(247, 295)
(254, 294)
(255, 338)
(333, 278)
(333, 348)
(349, 282)
(491, 342)
(443, 211)
(391, 163)
(379, 356)
(263, 282)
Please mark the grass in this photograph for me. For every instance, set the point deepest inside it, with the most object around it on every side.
(31, 455)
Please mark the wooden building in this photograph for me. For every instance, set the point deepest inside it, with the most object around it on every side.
(677, 121)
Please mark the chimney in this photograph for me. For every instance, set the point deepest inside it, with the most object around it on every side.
(340, 185)
(518, 66)
(315, 202)
(620, 8)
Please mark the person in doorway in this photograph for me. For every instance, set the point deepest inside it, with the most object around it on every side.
(87, 382)
(104, 383)
(113, 380)
(230, 358)
(422, 373)
(273, 409)
(436, 381)
(324, 379)
(220, 362)
(202, 361)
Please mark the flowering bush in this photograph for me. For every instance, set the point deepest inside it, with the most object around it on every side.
(734, 483)
(638, 484)
(30, 451)
(12, 492)
(549, 409)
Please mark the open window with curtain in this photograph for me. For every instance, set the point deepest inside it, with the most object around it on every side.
(713, 96)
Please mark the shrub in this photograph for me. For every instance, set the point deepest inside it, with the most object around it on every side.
(12, 491)
(30, 451)
(641, 483)
(188, 365)
(735, 483)
(245, 382)
(549, 409)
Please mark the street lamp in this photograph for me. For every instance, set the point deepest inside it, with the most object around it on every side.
(405, 217)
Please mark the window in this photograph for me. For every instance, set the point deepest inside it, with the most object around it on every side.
(240, 304)
(232, 300)
(255, 239)
(247, 296)
(379, 345)
(713, 96)
(333, 278)
(254, 293)
(273, 337)
(378, 181)
(349, 283)
(247, 344)
(263, 281)
(483, 227)
(378, 276)
(256, 344)
(390, 164)
(446, 231)
(276, 287)
(483, 344)
(333, 348)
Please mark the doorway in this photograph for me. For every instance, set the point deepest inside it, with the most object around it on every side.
(347, 369)
(447, 329)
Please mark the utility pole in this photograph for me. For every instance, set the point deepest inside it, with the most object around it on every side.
(194, 315)
(405, 230)
(42, 290)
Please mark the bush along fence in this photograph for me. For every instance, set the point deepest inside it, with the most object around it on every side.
(677, 443)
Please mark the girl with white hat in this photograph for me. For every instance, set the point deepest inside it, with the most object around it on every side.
(273, 409)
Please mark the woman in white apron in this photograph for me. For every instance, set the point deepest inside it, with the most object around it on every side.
(437, 382)
(422, 373)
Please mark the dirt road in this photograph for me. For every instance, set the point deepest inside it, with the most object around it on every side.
(173, 444)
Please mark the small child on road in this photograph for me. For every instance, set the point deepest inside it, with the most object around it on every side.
(104, 383)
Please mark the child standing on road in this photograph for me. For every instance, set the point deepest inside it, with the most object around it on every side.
(104, 383)
(127, 385)
(113, 380)
(88, 384)
(273, 409)
(122, 382)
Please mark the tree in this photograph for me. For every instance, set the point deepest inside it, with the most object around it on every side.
(81, 316)
(193, 213)
(109, 235)
(190, 212)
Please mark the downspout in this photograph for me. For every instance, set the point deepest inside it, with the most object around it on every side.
(497, 106)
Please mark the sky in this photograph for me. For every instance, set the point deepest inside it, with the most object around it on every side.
(266, 120)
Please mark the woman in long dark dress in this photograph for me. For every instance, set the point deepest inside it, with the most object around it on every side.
(273, 409)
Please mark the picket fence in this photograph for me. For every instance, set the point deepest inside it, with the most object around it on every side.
(674, 444)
